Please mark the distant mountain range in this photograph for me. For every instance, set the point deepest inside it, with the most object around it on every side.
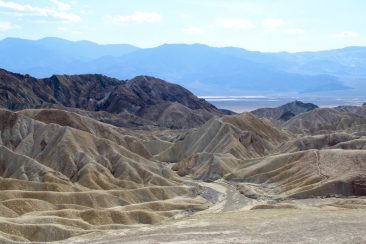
(204, 70)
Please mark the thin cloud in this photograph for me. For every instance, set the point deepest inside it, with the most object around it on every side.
(4, 26)
(272, 23)
(60, 13)
(235, 23)
(67, 30)
(61, 5)
(135, 18)
(294, 31)
(344, 35)
(193, 30)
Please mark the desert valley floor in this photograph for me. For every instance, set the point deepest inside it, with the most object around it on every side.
(255, 226)
(92, 159)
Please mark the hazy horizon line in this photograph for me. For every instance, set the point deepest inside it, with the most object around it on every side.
(193, 43)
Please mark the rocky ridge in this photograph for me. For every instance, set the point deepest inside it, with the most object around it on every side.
(148, 100)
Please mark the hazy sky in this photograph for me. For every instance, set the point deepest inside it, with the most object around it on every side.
(264, 25)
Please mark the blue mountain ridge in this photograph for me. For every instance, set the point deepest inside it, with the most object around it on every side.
(203, 69)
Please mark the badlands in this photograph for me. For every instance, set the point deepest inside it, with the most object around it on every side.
(92, 159)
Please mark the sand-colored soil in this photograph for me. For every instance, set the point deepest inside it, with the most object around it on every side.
(67, 177)
(254, 226)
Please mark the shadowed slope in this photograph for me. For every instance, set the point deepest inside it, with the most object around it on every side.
(143, 97)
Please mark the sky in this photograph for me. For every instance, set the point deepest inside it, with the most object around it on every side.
(258, 25)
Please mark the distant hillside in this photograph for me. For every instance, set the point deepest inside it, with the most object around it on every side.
(202, 69)
(143, 100)
(284, 112)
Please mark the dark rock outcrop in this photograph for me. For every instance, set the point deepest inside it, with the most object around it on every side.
(227, 111)
(284, 112)
(146, 97)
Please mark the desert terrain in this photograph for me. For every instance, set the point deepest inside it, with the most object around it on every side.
(92, 159)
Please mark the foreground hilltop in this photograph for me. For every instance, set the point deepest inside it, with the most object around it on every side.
(143, 100)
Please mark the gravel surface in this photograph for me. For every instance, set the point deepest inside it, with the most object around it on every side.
(254, 226)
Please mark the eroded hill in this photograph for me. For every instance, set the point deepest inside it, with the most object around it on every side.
(67, 170)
